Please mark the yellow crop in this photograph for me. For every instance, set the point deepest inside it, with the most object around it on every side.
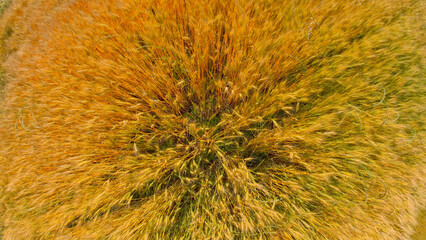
(211, 119)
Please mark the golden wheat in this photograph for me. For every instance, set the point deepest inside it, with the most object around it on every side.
(212, 119)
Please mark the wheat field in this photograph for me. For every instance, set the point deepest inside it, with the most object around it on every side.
(212, 119)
